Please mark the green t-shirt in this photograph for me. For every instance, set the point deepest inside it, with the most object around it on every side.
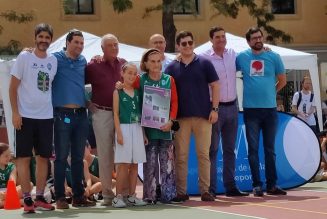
(164, 82)
(94, 167)
(5, 174)
(129, 107)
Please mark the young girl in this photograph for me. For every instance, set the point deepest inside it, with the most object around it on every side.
(7, 172)
(129, 149)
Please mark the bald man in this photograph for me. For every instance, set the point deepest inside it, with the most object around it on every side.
(158, 41)
(103, 75)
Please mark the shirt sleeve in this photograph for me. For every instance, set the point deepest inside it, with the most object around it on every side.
(280, 69)
(173, 99)
(18, 68)
(136, 83)
(211, 72)
(295, 99)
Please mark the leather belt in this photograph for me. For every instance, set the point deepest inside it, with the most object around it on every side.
(106, 108)
(70, 110)
(227, 103)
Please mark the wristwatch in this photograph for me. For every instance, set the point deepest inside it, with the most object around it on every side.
(215, 109)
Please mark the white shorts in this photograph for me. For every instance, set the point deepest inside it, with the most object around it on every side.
(133, 149)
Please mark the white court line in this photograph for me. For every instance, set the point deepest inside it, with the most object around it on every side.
(309, 190)
(223, 212)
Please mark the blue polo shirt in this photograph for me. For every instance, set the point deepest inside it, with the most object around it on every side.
(68, 84)
(192, 82)
(259, 78)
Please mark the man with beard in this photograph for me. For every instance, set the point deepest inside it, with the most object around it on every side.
(260, 69)
(32, 114)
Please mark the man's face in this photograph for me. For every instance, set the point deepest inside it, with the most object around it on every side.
(76, 45)
(158, 42)
(256, 41)
(219, 40)
(110, 48)
(186, 46)
(43, 40)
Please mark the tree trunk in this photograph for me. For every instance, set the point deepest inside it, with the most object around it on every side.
(168, 26)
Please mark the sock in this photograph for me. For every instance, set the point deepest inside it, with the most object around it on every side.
(26, 195)
(39, 194)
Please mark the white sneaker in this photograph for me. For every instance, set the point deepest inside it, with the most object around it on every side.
(118, 202)
(133, 200)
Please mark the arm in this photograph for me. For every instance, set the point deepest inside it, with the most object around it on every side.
(16, 117)
(13, 175)
(116, 118)
(213, 117)
(281, 82)
(297, 112)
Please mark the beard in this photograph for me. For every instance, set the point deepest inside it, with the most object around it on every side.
(257, 46)
(42, 46)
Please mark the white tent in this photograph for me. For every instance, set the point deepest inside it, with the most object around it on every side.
(292, 59)
(92, 47)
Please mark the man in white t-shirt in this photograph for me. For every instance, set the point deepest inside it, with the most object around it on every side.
(32, 114)
(303, 104)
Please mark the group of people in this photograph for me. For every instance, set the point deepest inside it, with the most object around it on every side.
(47, 94)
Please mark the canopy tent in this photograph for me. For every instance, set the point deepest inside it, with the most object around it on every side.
(292, 60)
(92, 47)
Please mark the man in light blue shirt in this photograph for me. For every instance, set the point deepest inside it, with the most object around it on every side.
(260, 69)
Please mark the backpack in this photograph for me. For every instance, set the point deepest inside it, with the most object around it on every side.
(300, 99)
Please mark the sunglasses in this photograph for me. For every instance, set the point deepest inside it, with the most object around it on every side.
(190, 43)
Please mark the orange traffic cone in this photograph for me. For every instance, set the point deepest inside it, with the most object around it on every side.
(12, 200)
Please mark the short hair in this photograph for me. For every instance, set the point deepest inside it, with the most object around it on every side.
(251, 31)
(3, 147)
(213, 30)
(145, 58)
(107, 37)
(43, 27)
(183, 34)
(71, 35)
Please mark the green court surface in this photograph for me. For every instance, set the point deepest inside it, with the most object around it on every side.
(307, 201)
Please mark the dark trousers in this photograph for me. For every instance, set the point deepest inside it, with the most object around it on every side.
(265, 120)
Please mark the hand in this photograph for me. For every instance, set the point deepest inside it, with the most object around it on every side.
(17, 121)
(68, 191)
(167, 127)
(28, 49)
(92, 107)
(213, 117)
(2, 195)
(120, 138)
(119, 85)
(146, 141)
(97, 58)
(87, 191)
(266, 49)
(178, 57)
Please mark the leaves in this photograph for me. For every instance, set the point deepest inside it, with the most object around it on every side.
(121, 6)
(13, 16)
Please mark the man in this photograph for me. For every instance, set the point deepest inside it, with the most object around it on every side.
(103, 75)
(224, 62)
(196, 114)
(303, 104)
(32, 114)
(260, 69)
(71, 124)
(158, 42)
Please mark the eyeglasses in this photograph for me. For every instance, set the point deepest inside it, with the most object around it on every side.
(256, 38)
(190, 43)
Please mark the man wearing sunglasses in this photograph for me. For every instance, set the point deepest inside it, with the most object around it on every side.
(196, 113)
(223, 60)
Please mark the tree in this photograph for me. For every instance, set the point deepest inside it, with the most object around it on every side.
(14, 46)
(223, 7)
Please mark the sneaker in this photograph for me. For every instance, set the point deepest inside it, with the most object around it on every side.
(276, 190)
(82, 202)
(28, 205)
(257, 191)
(118, 202)
(106, 201)
(42, 205)
(92, 198)
(183, 197)
(62, 203)
(176, 200)
(133, 200)
(207, 197)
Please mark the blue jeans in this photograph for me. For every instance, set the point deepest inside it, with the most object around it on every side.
(70, 134)
(265, 120)
(226, 127)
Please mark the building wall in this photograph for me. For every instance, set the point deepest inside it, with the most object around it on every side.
(307, 27)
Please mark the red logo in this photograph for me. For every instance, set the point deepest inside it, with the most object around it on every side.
(257, 65)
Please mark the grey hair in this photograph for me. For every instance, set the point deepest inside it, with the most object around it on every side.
(108, 37)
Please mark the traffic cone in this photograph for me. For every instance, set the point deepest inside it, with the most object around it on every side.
(12, 201)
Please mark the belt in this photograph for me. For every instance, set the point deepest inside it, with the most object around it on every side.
(70, 110)
(227, 103)
(107, 108)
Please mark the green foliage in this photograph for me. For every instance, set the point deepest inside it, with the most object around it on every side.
(69, 6)
(12, 48)
(121, 6)
(261, 14)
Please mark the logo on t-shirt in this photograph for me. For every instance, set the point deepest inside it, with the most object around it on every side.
(43, 81)
(257, 68)
(49, 66)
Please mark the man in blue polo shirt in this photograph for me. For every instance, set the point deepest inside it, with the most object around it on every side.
(260, 69)
(70, 119)
(196, 114)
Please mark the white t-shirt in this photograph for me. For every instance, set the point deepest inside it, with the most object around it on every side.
(305, 106)
(34, 91)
